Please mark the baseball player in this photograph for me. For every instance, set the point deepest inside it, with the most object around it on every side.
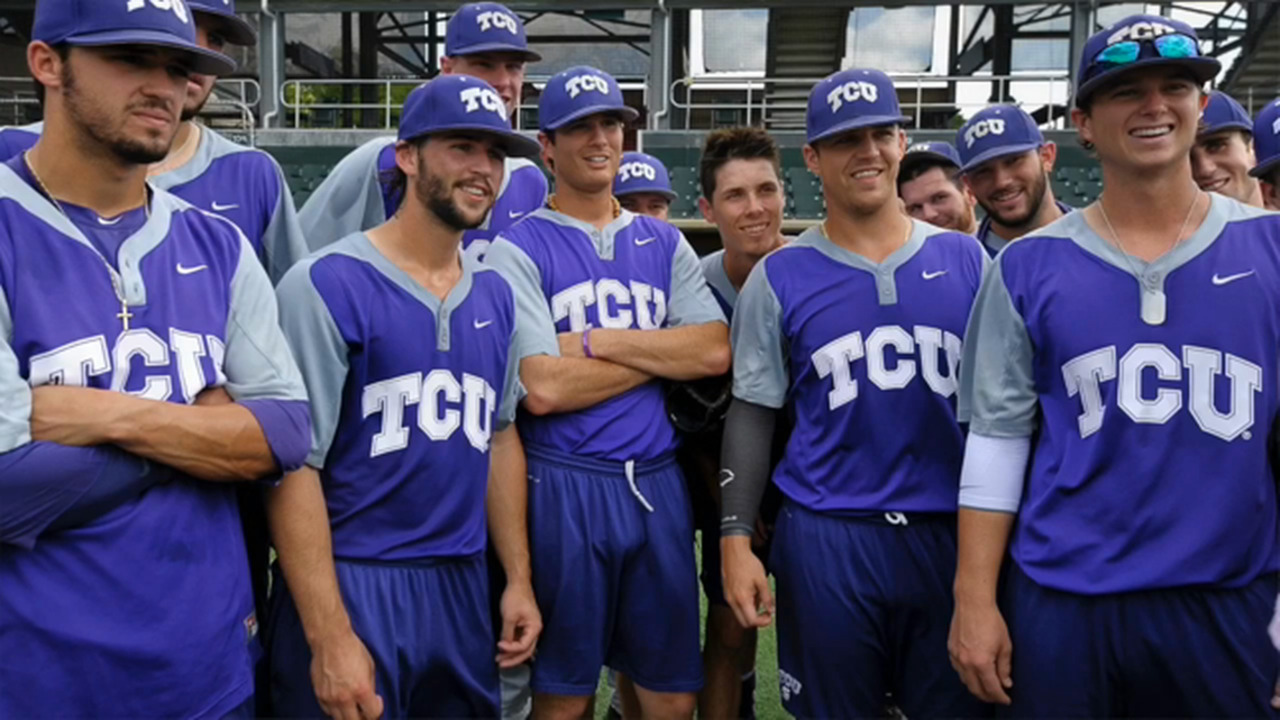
(138, 329)
(405, 345)
(1006, 162)
(930, 186)
(854, 328)
(484, 40)
(1223, 154)
(618, 300)
(1266, 136)
(643, 185)
(1119, 426)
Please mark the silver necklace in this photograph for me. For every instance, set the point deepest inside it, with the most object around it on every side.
(1153, 302)
(117, 284)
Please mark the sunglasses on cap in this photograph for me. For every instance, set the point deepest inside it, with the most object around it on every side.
(1175, 46)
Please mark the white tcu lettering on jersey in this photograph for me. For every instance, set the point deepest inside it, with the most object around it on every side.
(929, 344)
(619, 306)
(74, 363)
(444, 405)
(1157, 405)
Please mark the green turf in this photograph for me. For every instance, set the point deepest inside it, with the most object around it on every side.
(768, 705)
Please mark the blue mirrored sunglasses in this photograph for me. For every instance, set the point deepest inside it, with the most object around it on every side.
(1173, 47)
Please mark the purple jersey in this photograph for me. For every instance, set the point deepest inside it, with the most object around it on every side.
(865, 354)
(147, 609)
(1149, 464)
(636, 273)
(240, 183)
(357, 195)
(406, 391)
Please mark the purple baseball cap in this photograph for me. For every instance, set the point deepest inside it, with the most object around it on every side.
(1266, 139)
(849, 100)
(642, 173)
(1223, 113)
(580, 91)
(486, 27)
(461, 103)
(995, 132)
(93, 23)
(234, 27)
(938, 153)
(1140, 41)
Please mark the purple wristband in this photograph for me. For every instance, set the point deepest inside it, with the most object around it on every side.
(586, 343)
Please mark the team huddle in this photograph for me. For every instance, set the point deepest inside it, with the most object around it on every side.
(1020, 466)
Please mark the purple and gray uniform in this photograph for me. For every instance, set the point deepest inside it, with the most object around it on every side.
(356, 196)
(201, 314)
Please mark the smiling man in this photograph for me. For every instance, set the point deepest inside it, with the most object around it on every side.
(932, 190)
(484, 40)
(1006, 163)
(1223, 154)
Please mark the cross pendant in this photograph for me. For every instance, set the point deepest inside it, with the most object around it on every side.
(124, 315)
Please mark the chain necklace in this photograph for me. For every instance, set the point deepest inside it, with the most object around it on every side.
(1154, 303)
(617, 206)
(117, 284)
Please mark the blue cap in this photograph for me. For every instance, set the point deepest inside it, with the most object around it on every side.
(994, 132)
(93, 23)
(930, 152)
(641, 173)
(234, 27)
(461, 102)
(849, 100)
(1144, 29)
(578, 92)
(486, 27)
(1223, 113)
(1266, 139)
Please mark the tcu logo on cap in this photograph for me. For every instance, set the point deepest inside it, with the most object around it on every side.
(1141, 31)
(479, 97)
(852, 91)
(586, 83)
(1275, 127)
(983, 128)
(178, 7)
(918, 147)
(637, 170)
(496, 19)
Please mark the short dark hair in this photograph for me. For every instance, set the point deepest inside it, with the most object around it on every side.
(64, 51)
(920, 167)
(393, 180)
(739, 143)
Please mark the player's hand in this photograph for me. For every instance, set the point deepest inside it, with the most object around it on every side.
(74, 416)
(342, 674)
(981, 651)
(521, 625)
(213, 397)
(745, 587)
(571, 344)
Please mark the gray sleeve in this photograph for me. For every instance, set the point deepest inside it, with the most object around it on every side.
(348, 201)
(691, 301)
(759, 359)
(283, 243)
(15, 393)
(997, 382)
(257, 362)
(512, 390)
(535, 330)
(321, 351)
(744, 457)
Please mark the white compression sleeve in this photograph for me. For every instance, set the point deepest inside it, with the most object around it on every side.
(993, 472)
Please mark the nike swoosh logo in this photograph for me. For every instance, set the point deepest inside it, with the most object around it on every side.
(932, 275)
(513, 214)
(482, 325)
(645, 241)
(182, 270)
(108, 223)
(1230, 278)
(217, 207)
